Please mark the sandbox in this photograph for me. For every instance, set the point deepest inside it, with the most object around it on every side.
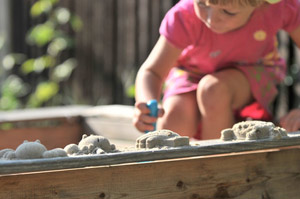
(205, 169)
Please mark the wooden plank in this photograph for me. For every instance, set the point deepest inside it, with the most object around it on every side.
(104, 44)
(150, 13)
(143, 32)
(165, 6)
(63, 133)
(53, 126)
(261, 174)
(126, 49)
(155, 21)
(201, 148)
(84, 53)
(42, 113)
(5, 24)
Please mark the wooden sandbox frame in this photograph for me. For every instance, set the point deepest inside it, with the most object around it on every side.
(252, 169)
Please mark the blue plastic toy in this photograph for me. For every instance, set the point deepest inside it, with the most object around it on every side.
(152, 105)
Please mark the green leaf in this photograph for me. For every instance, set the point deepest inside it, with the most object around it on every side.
(130, 92)
(12, 88)
(37, 65)
(41, 34)
(2, 41)
(62, 15)
(13, 85)
(10, 60)
(28, 66)
(33, 102)
(63, 71)
(76, 23)
(9, 102)
(52, 1)
(43, 93)
(49, 61)
(57, 45)
(40, 7)
(48, 35)
(46, 90)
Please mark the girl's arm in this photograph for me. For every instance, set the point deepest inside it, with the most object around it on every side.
(155, 69)
(150, 79)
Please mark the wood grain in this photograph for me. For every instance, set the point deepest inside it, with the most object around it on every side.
(53, 126)
(202, 148)
(260, 174)
(66, 132)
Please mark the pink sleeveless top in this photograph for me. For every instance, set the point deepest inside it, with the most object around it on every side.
(252, 48)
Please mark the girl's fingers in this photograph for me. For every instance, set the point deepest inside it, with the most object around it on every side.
(294, 125)
(291, 121)
(141, 119)
(142, 107)
(142, 126)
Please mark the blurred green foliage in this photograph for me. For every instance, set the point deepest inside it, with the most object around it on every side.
(47, 72)
(130, 91)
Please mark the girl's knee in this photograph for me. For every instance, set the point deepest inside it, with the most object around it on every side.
(213, 90)
(181, 114)
(184, 106)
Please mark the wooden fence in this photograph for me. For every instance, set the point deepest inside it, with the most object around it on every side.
(116, 38)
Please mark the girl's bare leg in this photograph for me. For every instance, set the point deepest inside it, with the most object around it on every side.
(181, 114)
(218, 95)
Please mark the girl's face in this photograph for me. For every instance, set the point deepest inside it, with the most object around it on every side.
(222, 18)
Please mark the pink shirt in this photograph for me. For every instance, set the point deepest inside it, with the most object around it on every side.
(208, 50)
(254, 44)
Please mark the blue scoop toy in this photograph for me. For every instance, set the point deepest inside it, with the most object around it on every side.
(152, 105)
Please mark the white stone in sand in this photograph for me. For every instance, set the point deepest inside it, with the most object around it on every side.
(161, 138)
(31, 150)
(92, 144)
(253, 130)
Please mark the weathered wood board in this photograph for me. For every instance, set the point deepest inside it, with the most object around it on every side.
(54, 127)
(206, 170)
(272, 173)
(201, 148)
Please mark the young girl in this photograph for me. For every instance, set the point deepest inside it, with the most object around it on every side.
(213, 58)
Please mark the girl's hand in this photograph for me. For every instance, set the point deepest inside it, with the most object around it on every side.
(291, 121)
(141, 119)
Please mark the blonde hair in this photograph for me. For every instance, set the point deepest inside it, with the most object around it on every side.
(254, 3)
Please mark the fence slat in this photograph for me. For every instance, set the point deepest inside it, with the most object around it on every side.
(117, 37)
